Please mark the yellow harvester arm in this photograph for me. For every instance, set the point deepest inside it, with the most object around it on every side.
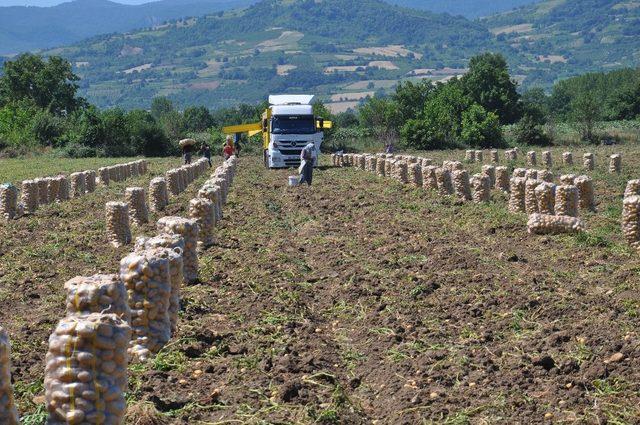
(243, 128)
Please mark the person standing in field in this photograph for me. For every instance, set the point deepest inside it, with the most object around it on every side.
(187, 152)
(308, 159)
(228, 151)
(238, 148)
(206, 152)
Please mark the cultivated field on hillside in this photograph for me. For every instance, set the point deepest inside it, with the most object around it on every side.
(358, 300)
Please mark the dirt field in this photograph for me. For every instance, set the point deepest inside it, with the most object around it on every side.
(360, 301)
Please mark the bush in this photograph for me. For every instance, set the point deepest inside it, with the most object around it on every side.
(481, 128)
(528, 132)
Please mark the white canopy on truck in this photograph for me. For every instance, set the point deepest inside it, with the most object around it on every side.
(291, 99)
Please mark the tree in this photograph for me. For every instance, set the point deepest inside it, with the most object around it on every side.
(47, 84)
(488, 84)
(196, 118)
(535, 105)
(586, 111)
(381, 117)
(411, 98)
(529, 132)
(161, 106)
(481, 128)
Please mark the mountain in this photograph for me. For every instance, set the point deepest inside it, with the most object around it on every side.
(567, 37)
(325, 47)
(25, 28)
(467, 8)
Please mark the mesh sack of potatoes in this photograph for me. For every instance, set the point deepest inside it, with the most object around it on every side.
(586, 193)
(615, 163)
(203, 212)
(30, 196)
(519, 172)
(117, 223)
(182, 179)
(531, 174)
(78, 184)
(400, 172)
(443, 179)
(173, 182)
(545, 175)
(53, 187)
(158, 194)
(333, 159)
(43, 190)
(373, 163)
(461, 185)
(490, 171)
(413, 159)
(481, 186)
(147, 278)
(415, 174)
(8, 201)
(388, 167)
(429, 180)
(64, 188)
(502, 179)
(381, 166)
(567, 158)
(470, 156)
(113, 173)
(479, 156)
(174, 253)
(136, 198)
(86, 370)
(133, 169)
(362, 162)
(141, 167)
(455, 165)
(567, 200)
(100, 293)
(8, 411)
(427, 162)
(495, 156)
(517, 188)
(545, 194)
(631, 220)
(511, 155)
(545, 224)
(588, 161)
(212, 192)
(568, 179)
(632, 189)
(530, 200)
(188, 230)
(547, 159)
(532, 159)
(222, 183)
(90, 181)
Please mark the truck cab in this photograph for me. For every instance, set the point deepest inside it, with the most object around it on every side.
(287, 126)
(291, 126)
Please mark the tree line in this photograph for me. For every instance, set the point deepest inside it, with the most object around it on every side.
(40, 109)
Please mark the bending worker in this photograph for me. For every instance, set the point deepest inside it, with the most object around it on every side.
(308, 159)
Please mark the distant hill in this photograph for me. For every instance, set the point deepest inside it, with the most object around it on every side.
(327, 47)
(565, 37)
(31, 28)
(466, 8)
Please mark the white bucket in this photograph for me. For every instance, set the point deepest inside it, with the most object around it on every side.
(294, 180)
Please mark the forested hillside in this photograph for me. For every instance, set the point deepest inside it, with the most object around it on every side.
(467, 8)
(33, 28)
(276, 46)
(571, 37)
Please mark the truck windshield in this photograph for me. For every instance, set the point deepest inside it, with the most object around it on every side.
(293, 124)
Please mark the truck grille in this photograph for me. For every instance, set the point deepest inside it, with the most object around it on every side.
(290, 151)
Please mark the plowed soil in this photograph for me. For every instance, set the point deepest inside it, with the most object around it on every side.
(358, 301)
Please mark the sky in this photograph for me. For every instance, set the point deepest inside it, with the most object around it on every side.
(54, 2)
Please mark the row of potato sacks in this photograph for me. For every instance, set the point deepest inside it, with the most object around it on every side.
(452, 179)
(119, 216)
(42, 191)
(114, 318)
(511, 155)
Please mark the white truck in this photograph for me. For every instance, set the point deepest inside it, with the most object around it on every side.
(287, 126)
